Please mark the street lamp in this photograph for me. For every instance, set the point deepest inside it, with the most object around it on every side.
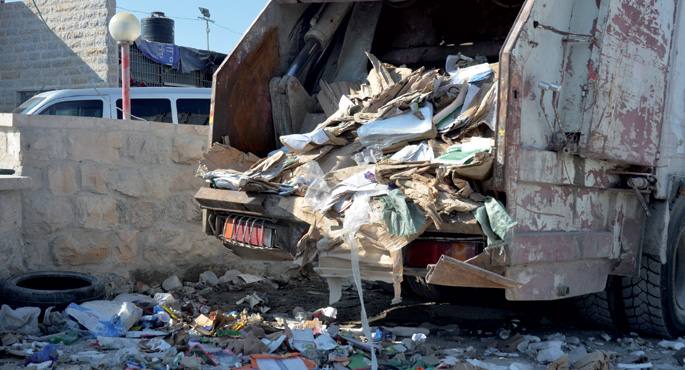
(205, 17)
(125, 29)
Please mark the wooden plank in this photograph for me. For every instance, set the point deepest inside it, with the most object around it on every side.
(453, 272)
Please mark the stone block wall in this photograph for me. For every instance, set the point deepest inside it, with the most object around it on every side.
(11, 243)
(72, 49)
(110, 195)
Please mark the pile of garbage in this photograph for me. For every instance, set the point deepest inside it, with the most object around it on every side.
(405, 152)
(179, 329)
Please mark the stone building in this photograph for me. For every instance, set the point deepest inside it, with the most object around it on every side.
(56, 45)
(65, 44)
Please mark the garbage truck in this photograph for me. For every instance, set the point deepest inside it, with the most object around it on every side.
(587, 124)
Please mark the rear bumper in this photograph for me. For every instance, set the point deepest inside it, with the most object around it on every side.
(532, 266)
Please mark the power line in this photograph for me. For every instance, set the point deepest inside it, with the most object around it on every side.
(181, 18)
(39, 13)
(228, 29)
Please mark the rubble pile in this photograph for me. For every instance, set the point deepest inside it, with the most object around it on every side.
(405, 152)
(182, 329)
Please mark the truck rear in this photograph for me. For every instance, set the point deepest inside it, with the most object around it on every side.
(587, 131)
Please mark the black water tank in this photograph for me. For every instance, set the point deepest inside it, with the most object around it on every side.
(158, 28)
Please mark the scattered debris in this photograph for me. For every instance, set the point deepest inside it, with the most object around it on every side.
(172, 283)
(209, 278)
(671, 344)
(179, 330)
(22, 320)
(105, 318)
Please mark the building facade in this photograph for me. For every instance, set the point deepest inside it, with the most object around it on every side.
(55, 45)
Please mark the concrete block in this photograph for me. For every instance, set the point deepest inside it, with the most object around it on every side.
(97, 212)
(10, 211)
(188, 149)
(45, 213)
(166, 244)
(148, 148)
(182, 208)
(151, 182)
(126, 249)
(62, 179)
(127, 181)
(82, 247)
(43, 144)
(11, 250)
(95, 146)
(14, 182)
(184, 179)
(93, 178)
(140, 213)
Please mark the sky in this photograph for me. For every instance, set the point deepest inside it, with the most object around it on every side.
(232, 18)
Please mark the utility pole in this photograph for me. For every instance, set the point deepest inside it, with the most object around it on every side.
(205, 17)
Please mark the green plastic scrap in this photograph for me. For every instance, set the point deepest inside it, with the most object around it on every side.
(359, 361)
(449, 119)
(402, 218)
(69, 337)
(494, 220)
(464, 153)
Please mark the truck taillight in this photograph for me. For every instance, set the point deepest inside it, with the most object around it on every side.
(421, 253)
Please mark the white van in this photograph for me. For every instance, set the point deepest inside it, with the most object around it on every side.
(184, 105)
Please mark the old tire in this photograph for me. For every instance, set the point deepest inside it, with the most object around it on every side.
(603, 309)
(51, 288)
(655, 300)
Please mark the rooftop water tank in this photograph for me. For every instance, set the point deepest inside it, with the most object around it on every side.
(158, 28)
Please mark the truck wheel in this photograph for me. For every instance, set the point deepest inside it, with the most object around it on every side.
(603, 309)
(655, 300)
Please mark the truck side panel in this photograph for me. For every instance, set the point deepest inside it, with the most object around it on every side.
(671, 162)
(241, 105)
(577, 220)
(630, 77)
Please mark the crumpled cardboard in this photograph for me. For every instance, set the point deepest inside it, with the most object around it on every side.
(396, 110)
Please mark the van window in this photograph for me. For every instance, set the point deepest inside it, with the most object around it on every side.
(193, 111)
(157, 110)
(78, 108)
(28, 105)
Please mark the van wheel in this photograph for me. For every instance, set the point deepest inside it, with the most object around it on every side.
(655, 300)
(603, 309)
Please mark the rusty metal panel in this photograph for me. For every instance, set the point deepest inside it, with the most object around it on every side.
(540, 247)
(544, 208)
(631, 79)
(240, 97)
(558, 280)
(569, 208)
(543, 166)
(241, 105)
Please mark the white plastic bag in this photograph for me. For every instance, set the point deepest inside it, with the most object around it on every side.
(403, 127)
(23, 320)
(105, 318)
